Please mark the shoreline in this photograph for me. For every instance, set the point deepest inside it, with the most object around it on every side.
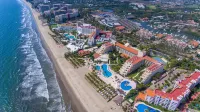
(64, 88)
(83, 97)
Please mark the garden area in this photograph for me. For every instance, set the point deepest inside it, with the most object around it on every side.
(116, 61)
(75, 59)
(105, 90)
(137, 73)
(182, 64)
(131, 95)
(195, 96)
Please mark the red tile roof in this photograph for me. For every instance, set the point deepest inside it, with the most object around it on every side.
(96, 55)
(150, 59)
(154, 67)
(129, 49)
(168, 37)
(83, 53)
(194, 43)
(180, 91)
(119, 28)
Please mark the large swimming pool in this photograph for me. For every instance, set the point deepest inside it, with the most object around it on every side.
(159, 60)
(145, 108)
(71, 37)
(125, 86)
(106, 72)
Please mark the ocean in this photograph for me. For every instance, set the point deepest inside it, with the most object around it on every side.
(27, 78)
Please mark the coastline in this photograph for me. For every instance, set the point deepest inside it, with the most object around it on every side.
(67, 93)
(75, 89)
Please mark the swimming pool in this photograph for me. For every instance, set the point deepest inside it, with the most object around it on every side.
(97, 67)
(159, 60)
(125, 86)
(143, 107)
(106, 72)
(72, 37)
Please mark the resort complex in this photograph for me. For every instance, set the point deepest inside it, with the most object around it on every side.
(139, 59)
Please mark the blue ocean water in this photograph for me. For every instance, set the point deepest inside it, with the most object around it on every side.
(27, 78)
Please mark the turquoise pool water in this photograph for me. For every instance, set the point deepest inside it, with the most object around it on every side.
(106, 72)
(97, 67)
(143, 107)
(159, 60)
(72, 37)
(125, 85)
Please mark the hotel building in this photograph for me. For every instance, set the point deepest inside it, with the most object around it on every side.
(171, 100)
(86, 29)
(150, 72)
(137, 59)
(71, 13)
(105, 48)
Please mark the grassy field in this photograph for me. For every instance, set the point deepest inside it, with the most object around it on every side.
(152, 7)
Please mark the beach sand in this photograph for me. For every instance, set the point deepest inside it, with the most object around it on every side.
(74, 87)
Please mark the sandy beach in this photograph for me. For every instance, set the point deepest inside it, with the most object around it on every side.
(75, 88)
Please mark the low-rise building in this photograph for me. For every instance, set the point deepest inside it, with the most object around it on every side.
(176, 44)
(142, 33)
(171, 100)
(194, 44)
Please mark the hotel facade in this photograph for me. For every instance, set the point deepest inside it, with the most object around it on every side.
(171, 100)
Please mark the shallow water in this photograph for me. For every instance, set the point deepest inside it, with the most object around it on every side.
(27, 77)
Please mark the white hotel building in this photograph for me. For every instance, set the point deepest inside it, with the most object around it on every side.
(86, 29)
(171, 100)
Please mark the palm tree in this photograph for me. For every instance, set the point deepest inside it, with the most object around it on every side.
(74, 32)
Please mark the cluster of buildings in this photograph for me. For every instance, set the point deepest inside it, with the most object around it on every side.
(137, 59)
(143, 33)
(137, 6)
(111, 20)
(86, 35)
(95, 36)
(106, 18)
(172, 99)
(60, 12)
(178, 44)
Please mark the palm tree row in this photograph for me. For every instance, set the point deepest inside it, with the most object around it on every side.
(74, 59)
(107, 91)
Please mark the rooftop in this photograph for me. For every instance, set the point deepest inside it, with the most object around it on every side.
(129, 49)
(177, 93)
(194, 43)
(154, 67)
(96, 55)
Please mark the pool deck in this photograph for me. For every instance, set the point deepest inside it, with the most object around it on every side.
(135, 106)
(131, 83)
(113, 81)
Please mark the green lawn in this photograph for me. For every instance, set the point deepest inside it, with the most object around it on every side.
(54, 26)
(152, 7)
(137, 73)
